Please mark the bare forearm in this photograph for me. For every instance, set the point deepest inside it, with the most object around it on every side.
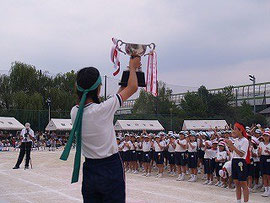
(240, 153)
(120, 89)
(133, 81)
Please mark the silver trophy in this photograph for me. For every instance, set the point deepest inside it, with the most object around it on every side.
(134, 50)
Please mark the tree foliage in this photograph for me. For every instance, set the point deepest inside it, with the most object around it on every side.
(24, 92)
(195, 105)
(27, 88)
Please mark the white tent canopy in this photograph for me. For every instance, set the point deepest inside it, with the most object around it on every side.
(56, 124)
(204, 124)
(10, 123)
(136, 125)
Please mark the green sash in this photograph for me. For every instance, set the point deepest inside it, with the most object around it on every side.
(76, 130)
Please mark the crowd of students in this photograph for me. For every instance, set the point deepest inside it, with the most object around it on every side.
(210, 152)
(41, 141)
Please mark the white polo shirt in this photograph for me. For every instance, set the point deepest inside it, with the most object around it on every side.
(24, 131)
(241, 144)
(179, 148)
(120, 146)
(264, 147)
(157, 148)
(132, 145)
(209, 153)
(221, 155)
(146, 146)
(170, 148)
(139, 146)
(194, 144)
(125, 148)
(98, 135)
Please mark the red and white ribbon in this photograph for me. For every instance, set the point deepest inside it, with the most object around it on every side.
(151, 75)
(115, 57)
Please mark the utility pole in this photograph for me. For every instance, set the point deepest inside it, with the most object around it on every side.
(49, 105)
(253, 79)
(171, 119)
(105, 88)
(236, 97)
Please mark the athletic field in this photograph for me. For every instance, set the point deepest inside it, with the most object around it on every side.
(49, 181)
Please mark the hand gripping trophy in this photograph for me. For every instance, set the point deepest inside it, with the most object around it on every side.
(133, 50)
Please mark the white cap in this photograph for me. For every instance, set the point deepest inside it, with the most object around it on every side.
(27, 125)
(222, 174)
(258, 131)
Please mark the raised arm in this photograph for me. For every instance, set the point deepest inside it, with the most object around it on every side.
(132, 85)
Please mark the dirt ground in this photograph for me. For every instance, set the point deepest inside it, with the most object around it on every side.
(49, 181)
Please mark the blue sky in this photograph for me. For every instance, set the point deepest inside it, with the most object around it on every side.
(212, 43)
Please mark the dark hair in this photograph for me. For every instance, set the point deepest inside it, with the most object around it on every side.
(86, 77)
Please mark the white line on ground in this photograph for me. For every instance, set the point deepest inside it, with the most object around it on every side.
(25, 200)
(46, 188)
(35, 192)
(163, 195)
(179, 188)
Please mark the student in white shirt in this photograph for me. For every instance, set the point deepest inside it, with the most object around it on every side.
(180, 156)
(209, 163)
(133, 155)
(165, 138)
(171, 152)
(192, 157)
(126, 152)
(256, 163)
(226, 173)
(200, 153)
(146, 148)
(239, 164)
(103, 174)
(159, 146)
(139, 151)
(250, 165)
(120, 146)
(264, 153)
(220, 159)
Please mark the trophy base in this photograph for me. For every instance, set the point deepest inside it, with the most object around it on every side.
(125, 76)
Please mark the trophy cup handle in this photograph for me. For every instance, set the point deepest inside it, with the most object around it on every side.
(152, 46)
(119, 43)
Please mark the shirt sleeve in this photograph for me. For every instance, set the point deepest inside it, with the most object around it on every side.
(164, 144)
(244, 146)
(32, 133)
(22, 132)
(224, 155)
(110, 106)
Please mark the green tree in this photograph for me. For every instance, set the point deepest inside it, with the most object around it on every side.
(194, 106)
(247, 117)
(24, 78)
(149, 104)
(5, 92)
